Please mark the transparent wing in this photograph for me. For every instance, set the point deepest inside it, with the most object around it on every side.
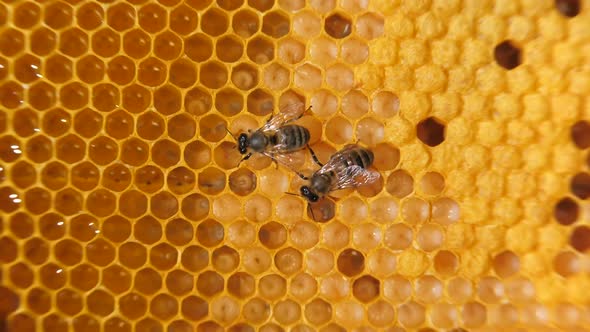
(288, 160)
(289, 113)
(355, 176)
(337, 161)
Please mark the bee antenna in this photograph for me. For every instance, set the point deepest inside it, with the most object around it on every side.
(292, 194)
(230, 134)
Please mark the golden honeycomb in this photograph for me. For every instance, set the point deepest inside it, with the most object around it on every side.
(122, 209)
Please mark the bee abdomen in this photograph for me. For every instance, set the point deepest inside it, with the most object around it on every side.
(293, 137)
(360, 157)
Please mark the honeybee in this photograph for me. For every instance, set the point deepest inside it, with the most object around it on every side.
(346, 168)
(277, 139)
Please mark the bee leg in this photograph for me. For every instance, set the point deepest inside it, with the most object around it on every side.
(301, 175)
(315, 158)
(275, 161)
(244, 159)
(310, 209)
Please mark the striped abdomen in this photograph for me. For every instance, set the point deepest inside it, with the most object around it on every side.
(357, 156)
(291, 137)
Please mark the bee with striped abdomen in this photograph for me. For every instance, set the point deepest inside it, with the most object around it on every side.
(277, 139)
(346, 168)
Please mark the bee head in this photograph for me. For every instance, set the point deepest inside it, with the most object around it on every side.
(243, 143)
(310, 195)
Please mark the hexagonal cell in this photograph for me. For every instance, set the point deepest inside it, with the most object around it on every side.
(26, 15)
(212, 128)
(179, 232)
(150, 125)
(260, 103)
(568, 8)
(11, 94)
(133, 305)
(580, 238)
(183, 73)
(338, 25)
(275, 24)
(85, 176)
(105, 97)
(580, 134)
(210, 233)
(244, 76)
(116, 177)
(214, 22)
(194, 308)
(23, 174)
(167, 46)
(136, 43)
(11, 42)
(181, 128)
(25, 122)
(163, 205)
(136, 98)
(152, 72)
(165, 153)
(431, 131)
(58, 15)
(213, 74)
(100, 302)
(152, 17)
(198, 101)
(370, 26)
(73, 42)
(163, 256)
(366, 288)
(58, 68)
(119, 124)
(183, 20)
(198, 47)
(242, 182)
(291, 50)
(245, 23)
(134, 152)
(87, 122)
(101, 202)
(36, 251)
(121, 70)
(106, 42)
(195, 207)
(260, 50)
(446, 263)
(43, 41)
(90, 69)
(121, 16)
(68, 201)
(70, 148)
(167, 99)
(89, 16)
(197, 154)
(209, 283)
(27, 68)
(507, 55)
(566, 211)
(580, 185)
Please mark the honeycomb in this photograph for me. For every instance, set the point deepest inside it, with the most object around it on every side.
(121, 207)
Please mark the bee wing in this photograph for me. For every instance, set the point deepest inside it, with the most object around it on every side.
(287, 114)
(355, 176)
(285, 159)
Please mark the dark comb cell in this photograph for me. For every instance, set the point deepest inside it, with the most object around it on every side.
(431, 131)
(569, 8)
(566, 211)
(507, 55)
(580, 134)
(338, 26)
(580, 185)
(351, 262)
(580, 238)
